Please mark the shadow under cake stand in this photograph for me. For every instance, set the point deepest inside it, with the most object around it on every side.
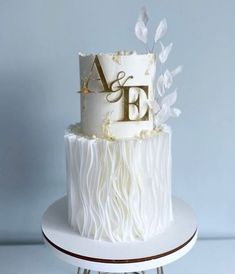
(102, 256)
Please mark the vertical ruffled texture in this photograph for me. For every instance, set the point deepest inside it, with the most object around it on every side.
(119, 190)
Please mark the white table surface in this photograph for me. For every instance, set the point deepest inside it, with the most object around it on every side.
(207, 257)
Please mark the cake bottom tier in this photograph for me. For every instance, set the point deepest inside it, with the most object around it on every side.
(119, 190)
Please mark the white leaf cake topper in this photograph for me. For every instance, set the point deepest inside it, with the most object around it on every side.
(141, 30)
(162, 104)
(161, 85)
(176, 71)
(163, 55)
(165, 80)
(170, 99)
(166, 111)
(144, 16)
(161, 30)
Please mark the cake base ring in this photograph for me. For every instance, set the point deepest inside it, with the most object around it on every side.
(102, 256)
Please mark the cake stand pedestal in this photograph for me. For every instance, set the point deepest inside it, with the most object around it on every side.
(102, 256)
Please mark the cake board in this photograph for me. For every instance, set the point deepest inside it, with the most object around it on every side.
(102, 256)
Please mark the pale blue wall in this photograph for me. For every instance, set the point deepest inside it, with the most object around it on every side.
(39, 42)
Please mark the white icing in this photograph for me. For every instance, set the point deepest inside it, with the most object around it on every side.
(117, 53)
(142, 67)
(119, 190)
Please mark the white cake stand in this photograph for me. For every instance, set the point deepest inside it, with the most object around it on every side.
(104, 256)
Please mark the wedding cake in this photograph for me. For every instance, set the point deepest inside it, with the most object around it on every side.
(118, 157)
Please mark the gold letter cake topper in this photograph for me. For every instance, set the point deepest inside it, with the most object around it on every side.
(119, 89)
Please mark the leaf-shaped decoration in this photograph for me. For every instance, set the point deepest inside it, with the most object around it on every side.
(161, 85)
(165, 52)
(141, 31)
(162, 116)
(175, 112)
(154, 106)
(176, 71)
(143, 17)
(170, 99)
(161, 30)
(168, 79)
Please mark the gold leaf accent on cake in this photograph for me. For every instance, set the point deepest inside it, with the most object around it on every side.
(84, 85)
(152, 59)
(151, 62)
(85, 90)
(106, 128)
(158, 129)
(117, 58)
(149, 133)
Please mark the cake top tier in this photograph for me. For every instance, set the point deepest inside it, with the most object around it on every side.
(116, 89)
(121, 94)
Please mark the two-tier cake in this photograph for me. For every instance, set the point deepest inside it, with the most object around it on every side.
(119, 157)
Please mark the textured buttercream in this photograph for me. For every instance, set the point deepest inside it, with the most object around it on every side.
(119, 190)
